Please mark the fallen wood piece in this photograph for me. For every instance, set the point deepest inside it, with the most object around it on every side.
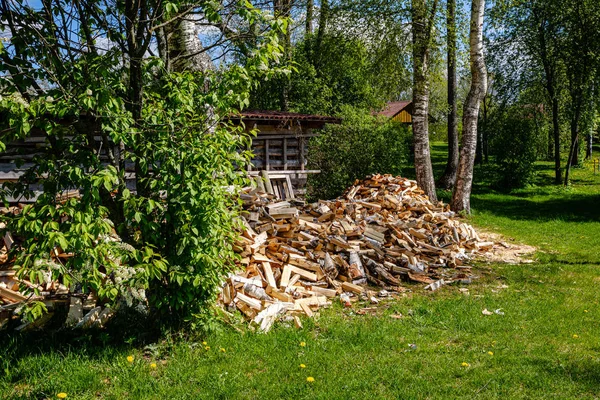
(75, 311)
(266, 317)
(435, 285)
(249, 301)
(269, 274)
(324, 291)
(89, 318)
(304, 273)
(306, 310)
(350, 287)
(11, 295)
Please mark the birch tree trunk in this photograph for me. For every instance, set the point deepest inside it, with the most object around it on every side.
(461, 198)
(421, 31)
(310, 5)
(447, 180)
(283, 9)
(184, 48)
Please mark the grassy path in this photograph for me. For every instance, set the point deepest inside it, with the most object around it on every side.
(546, 345)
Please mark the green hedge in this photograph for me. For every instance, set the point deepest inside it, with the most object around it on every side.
(361, 145)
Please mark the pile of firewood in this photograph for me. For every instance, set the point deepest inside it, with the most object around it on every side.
(81, 310)
(296, 258)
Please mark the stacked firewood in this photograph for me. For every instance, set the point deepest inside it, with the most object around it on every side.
(17, 292)
(383, 231)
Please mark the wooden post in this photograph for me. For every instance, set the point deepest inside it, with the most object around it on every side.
(301, 148)
(266, 154)
(285, 163)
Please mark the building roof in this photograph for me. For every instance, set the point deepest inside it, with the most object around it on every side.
(393, 108)
(268, 115)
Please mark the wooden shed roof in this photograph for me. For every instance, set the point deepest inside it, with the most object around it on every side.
(269, 115)
(394, 107)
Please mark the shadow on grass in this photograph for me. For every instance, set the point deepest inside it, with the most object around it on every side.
(572, 208)
(586, 372)
(125, 331)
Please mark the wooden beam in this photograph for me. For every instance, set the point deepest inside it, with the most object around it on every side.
(285, 163)
(266, 166)
(302, 155)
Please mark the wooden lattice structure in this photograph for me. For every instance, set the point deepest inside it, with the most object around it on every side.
(281, 144)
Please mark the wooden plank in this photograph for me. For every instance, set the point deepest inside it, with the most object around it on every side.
(279, 295)
(285, 154)
(306, 310)
(249, 301)
(267, 182)
(11, 295)
(269, 274)
(324, 291)
(303, 273)
(302, 153)
(351, 287)
(285, 275)
(288, 180)
(267, 163)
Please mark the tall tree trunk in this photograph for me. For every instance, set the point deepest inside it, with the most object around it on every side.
(283, 9)
(447, 180)
(479, 149)
(576, 151)
(310, 6)
(574, 139)
(484, 128)
(550, 67)
(184, 48)
(589, 145)
(550, 146)
(461, 198)
(323, 18)
(556, 131)
(421, 28)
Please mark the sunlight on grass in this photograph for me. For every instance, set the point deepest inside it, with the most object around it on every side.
(441, 347)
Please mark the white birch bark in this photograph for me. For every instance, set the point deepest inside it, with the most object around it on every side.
(421, 30)
(461, 198)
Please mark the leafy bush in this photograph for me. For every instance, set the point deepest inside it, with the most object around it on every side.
(178, 227)
(515, 147)
(361, 145)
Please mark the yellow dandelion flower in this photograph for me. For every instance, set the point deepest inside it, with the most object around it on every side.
(204, 343)
(491, 353)
(585, 310)
(130, 359)
(222, 350)
(62, 395)
(575, 336)
(302, 344)
(310, 379)
(153, 365)
(465, 364)
(302, 366)
(207, 348)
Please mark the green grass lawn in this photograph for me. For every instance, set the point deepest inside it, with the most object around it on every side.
(546, 345)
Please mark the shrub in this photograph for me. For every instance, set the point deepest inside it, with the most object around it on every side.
(361, 145)
(179, 226)
(515, 147)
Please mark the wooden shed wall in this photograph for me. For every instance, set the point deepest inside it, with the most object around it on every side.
(403, 116)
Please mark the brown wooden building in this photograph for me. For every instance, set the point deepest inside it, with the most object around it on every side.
(281, 144)
(400, 111)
